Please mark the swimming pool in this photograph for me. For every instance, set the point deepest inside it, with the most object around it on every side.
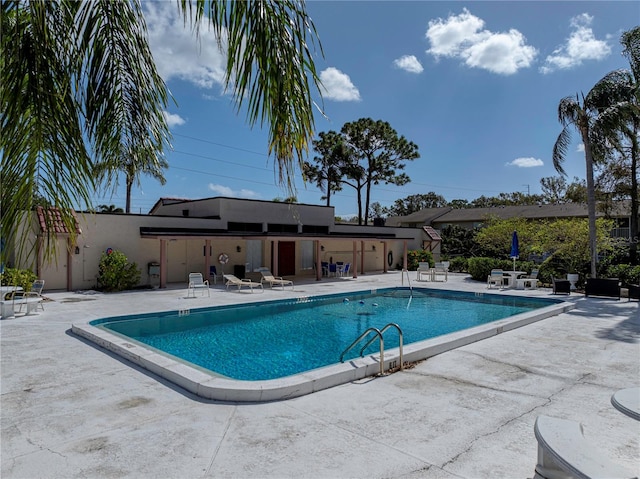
(279, 349)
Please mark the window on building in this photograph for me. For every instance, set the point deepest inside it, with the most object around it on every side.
(306, 250)
(315, 229)
(242, 227)
(281, 228)
(254, 254)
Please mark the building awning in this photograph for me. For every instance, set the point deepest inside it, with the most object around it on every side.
(50, 221)
(433, 239)
(211, 233)
(431, 233)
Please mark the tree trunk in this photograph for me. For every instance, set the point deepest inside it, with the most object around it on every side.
(359, 204)
(634, 234)
(127, 209)
(591, 203)
(366, 206)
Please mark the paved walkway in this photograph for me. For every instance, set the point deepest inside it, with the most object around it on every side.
(70, 409)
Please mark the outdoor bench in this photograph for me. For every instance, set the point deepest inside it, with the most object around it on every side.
(6, 309)
(7, 306)
(602, 287)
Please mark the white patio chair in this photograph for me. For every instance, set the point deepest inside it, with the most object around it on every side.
(441, 270)
(196, 282)
(496, 278)
(32, 299)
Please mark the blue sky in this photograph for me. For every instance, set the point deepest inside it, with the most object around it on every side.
(475, 85)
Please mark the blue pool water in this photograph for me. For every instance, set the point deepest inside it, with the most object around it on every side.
(276, 339)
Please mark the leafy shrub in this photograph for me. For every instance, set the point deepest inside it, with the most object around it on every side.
(480, 268)
(18, 277)
(115, 273)
(418, 256)
(458, 265)
(627, 273)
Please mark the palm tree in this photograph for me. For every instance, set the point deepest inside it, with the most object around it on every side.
(110, 209)
(575, 113)
(617, 99)
(78, 87)
(133, 165)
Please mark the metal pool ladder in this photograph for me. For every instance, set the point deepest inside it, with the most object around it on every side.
(378, 333)
(405, 272)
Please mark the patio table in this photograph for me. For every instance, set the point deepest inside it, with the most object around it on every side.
(9, 289)
(627, 401)
(512, 276)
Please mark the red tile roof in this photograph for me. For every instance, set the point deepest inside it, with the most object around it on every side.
(50, 219)
(432, 233)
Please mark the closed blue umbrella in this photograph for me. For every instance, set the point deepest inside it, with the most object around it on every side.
(515, 248)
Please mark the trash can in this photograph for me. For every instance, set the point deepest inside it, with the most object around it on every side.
(239, 270)
(154, 269)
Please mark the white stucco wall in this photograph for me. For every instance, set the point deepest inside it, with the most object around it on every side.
(122, 232)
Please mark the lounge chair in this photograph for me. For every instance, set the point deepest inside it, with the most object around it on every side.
(496, 278)
(197, 283)
(561, 285)
(268, 277)
(232, 280)
(32, 299)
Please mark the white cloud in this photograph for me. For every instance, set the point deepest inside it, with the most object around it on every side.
(448, 37)
(580, 148)
(173, 119)
(581, 45)
(408, 63)
(177, 52)
(463, 36)
(226, 191)
(337, 86)
(526, 162)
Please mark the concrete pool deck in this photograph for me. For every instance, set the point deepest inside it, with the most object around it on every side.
(70, 409)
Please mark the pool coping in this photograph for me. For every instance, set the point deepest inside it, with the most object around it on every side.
(210, 386)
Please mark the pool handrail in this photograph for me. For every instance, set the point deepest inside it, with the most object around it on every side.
(362, 336)
(405, 272)
(381, 333)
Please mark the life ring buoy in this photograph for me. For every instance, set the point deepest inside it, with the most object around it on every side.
(390, 258)
(223, 258)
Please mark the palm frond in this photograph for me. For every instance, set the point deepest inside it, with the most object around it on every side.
(269, 70)
(568, 111)
(560, 149)
(631, 42)
(43, 149)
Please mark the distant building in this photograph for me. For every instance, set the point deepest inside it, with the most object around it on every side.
(470, 218)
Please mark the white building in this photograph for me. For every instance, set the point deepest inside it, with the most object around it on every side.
(181, 236)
